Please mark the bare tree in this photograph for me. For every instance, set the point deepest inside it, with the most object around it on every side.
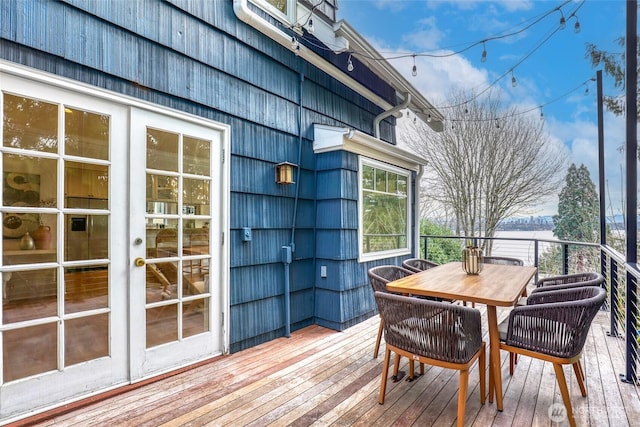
(489, 163)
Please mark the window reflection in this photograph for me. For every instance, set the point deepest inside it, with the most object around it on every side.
(30, 124)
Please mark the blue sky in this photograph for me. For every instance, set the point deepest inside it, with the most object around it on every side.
(550, 68)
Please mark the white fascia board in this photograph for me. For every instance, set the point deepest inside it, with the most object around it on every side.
(331, 138)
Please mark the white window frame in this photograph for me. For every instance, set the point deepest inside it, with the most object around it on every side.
(369, 256)
(287, 18)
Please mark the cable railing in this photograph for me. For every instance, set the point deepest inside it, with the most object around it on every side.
(556, 257)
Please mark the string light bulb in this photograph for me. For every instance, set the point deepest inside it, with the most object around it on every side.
(514, 82)
(349, 64)
(414, 71)
(563, 21)
(497, 124)
(294, 44)
(576, 26)
(483, 58)
(541, 114)
(429, 118)
(310, 27)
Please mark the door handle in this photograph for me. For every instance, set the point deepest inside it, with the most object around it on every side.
(139, 262)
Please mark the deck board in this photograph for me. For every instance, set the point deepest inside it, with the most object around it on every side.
(320, 377)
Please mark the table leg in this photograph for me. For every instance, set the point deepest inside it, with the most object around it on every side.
(495, 375)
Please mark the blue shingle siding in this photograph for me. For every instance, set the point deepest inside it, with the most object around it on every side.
(197, 57)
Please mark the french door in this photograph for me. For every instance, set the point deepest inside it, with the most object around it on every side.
(112, 233)
(175, 195)
(64, 278)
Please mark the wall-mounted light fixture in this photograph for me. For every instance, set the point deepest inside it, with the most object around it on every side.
(284, 173)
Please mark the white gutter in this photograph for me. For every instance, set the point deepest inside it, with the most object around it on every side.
(246, 15)
(385, 114)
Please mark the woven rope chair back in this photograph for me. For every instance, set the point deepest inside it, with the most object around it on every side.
(418, 264)
(381, 275)
(502, 260)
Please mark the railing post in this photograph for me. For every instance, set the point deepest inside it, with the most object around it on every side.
(426, 247)
(613, 288)
(535, 258)
(631, 330)
(565, 258)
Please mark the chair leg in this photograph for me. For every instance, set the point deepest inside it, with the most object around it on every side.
(482, 363)
(511, 360)
(577, 368)
(396, 366)
(462, 396)
(564, 391)
(375, 351)
(383, 380)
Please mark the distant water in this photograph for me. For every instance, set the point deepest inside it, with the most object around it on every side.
(523, 249)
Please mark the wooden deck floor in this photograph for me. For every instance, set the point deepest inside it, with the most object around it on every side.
(321, 377)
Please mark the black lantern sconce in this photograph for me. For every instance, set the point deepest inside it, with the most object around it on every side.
(284, 173)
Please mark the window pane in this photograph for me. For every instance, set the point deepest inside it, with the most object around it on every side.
(381, 180)
(29, 295)
(29, 351)
(281, 5)
(196, 197)
(30, 124)
(86, 338)
(384, 210)
(162, 150)
(197, 156)
(392, 182)
(86, 134)
(162, 194)
(86, 288)
(162, 325)
(367, 177)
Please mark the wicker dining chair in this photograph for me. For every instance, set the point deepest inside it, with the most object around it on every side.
(553, 327)
(379, 277)
(502, 260)
(418, 264)
(569, 281)
(436, 333)
(552, 283)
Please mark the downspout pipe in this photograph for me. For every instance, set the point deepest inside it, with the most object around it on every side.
(385, 114)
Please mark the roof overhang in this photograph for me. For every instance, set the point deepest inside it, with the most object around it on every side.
(331, 138)
(348, 37)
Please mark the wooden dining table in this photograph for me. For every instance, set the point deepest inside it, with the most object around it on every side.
(495, 286)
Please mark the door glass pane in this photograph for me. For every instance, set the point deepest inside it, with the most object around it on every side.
(197, 156)
(86, 134)
(29, 294)
(86, 288)
(29, 123)
(162, 325)
(86, 338)
(29, 181)
(162, 194)
(195, 319)
(195, 197)
(86, 185)
(162, 237)
(29, 351)
(87, 237)
(162, 150)
(162, 281)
